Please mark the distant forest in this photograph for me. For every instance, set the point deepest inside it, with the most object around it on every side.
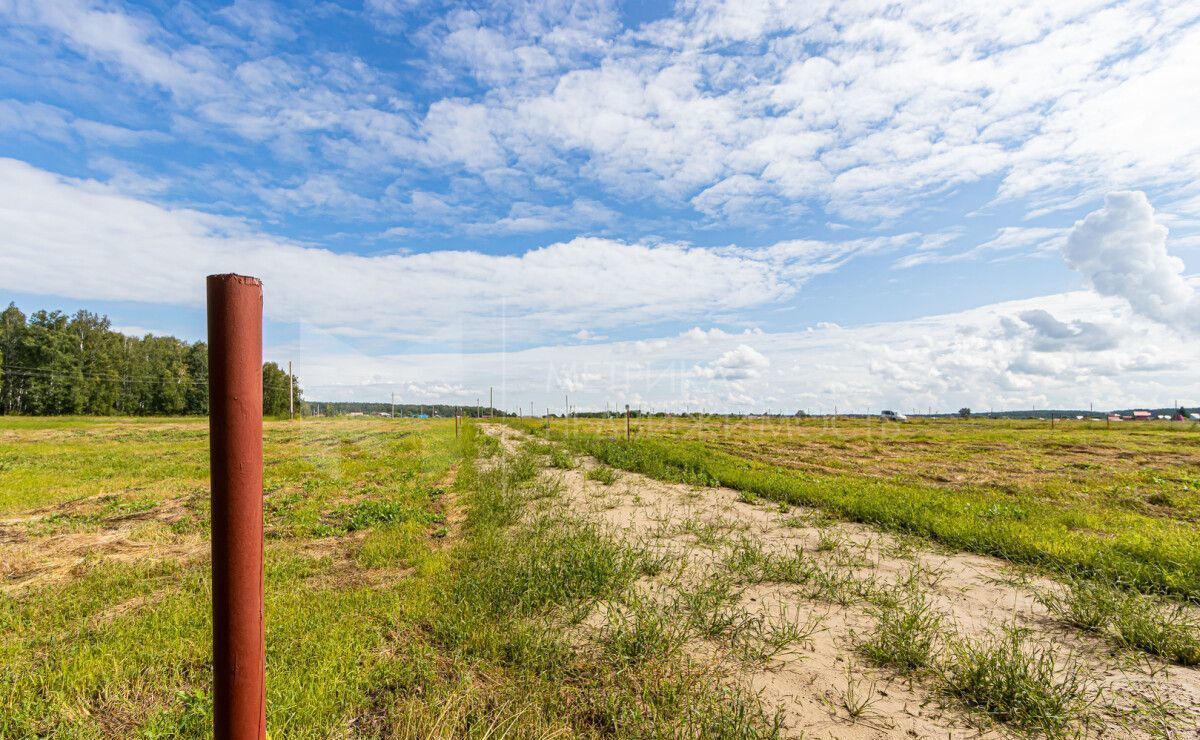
(52, 363)
(342, 408)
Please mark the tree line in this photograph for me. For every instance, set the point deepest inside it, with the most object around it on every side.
(445, 410)
(54, 363)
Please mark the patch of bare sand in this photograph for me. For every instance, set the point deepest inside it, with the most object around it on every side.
(979, 595)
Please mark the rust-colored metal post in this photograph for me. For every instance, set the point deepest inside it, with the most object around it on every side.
(235, 393)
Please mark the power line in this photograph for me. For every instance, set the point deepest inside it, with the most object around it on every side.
(25, 370)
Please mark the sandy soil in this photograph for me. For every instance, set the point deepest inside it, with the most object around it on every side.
(979, 596)
(30, 558)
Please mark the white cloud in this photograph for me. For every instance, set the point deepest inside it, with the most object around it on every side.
(532, 218)
(1009, 240)
(261, 18)
(1053, 335)
(740, 363)
(133, 42)
(740, 110)
(57, 125)
(321, 192)
(988, 357)
(700, 335)
(82, 239)
(1122, 251)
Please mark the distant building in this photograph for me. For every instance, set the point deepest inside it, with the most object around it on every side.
(1142, 416)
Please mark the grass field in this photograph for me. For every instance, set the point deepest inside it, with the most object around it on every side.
(422, 585)
(1120, 504)
(388, 612)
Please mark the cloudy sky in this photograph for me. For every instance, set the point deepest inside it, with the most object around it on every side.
(738, 205)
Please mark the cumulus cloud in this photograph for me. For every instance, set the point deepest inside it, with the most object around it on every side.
(81, 239)
(740, 363)
(1122, 251)
(988, 357)
(1052, 335)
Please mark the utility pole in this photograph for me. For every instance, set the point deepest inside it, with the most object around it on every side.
(393, 404)
(627, 434)
(491, 404)
(291, 393)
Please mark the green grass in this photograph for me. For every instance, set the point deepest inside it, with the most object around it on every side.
(48, 460)
(561, 458)
(376, 626)
(602, 474)
(122, 648)
(518, 592)
(760, 638)
(1152, 625)
(643, 630)
(1081, 532)
(1016, 682)
(906, 631)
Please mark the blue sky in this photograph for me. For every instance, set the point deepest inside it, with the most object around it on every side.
(717, 204)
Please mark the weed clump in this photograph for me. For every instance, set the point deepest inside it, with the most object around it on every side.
(561, 459)
(1017, 683)
(710, 606)
(906, 629)
(602, 474)
(369, 513)
(758, 639)
(1084, 604)
(750, 563)
(1133, 621)
(1167, 631)
(643, 630)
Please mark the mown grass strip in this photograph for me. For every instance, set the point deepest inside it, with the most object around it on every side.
(1078, 538)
